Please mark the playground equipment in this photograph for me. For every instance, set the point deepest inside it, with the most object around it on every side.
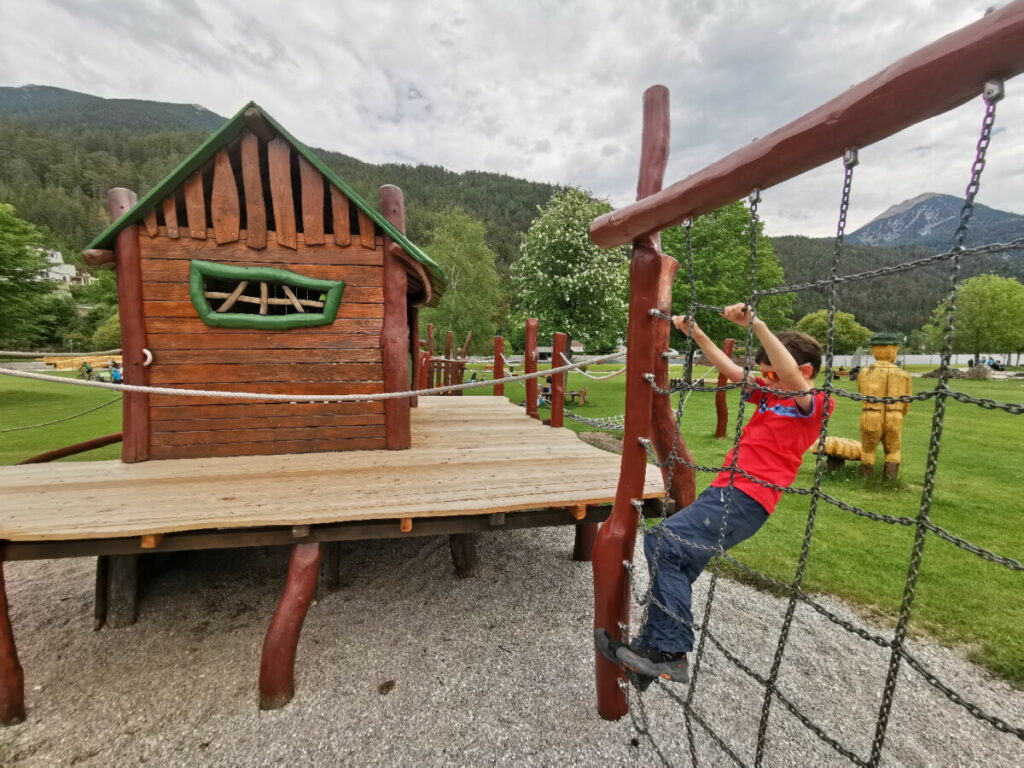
(931, 81)
(253, 267)
(881, 417)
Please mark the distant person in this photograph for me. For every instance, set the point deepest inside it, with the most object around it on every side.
(854, 372)
(85, 371)
(473, 376)
(115, 374)
(970, 362)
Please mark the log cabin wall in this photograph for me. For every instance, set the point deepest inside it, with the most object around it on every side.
(260, 204)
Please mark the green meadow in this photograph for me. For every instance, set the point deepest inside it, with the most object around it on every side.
(961, 598)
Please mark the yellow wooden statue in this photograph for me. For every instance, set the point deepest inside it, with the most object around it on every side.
(883, 422)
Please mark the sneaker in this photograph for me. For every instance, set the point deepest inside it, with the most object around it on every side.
(652, 663)
(610, 648)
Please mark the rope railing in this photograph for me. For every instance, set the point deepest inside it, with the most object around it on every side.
(61, 354)
(59, 421)
(232, 395)
(591, 376)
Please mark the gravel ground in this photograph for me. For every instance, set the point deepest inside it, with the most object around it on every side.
(408, 665)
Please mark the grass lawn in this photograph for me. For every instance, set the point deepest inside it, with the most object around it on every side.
(960, 597)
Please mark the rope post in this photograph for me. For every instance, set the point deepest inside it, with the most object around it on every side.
(135, 405)
(414, 352)
(530, 364)
(559, 346)
(499, 365)
(449, 345)
(428, 379)
(617, 536)
(721, 407)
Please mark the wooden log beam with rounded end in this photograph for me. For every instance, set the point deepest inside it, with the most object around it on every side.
(277, 664)
(928, 82)
(499, 365)
(135, 405)
(256, 123)
(559, 346)
(71, 450)
(99, 258)
(12, 678)
(395, 333)
(405, 525)
(617, 536)
(680, 478)
(464, 556)
(530, 366)
(721, 405)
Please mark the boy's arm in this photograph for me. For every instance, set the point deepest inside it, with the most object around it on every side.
(785, 367)
(718, 358)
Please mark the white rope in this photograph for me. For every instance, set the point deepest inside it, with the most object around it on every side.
(61, 354)
(591, 376)
(289, 398)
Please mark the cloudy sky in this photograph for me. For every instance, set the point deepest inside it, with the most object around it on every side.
(548, 90)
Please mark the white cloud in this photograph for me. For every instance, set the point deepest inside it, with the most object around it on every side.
(542, 89)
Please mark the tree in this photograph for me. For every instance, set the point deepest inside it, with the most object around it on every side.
(21, 289)
(987, 316)
(458, 244)
(108, 335)
(721, 256)
(849, 333)
(568, 283)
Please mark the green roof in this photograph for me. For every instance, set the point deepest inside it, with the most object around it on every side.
(227, 133)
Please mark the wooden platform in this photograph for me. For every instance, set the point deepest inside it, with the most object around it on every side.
(470, 456)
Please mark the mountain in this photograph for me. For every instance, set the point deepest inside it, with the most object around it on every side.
(51, 107)
(931, 219)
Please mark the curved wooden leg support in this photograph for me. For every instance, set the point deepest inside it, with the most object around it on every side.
(463, 547)
(12, 679)
(583, 548)
(277, 665)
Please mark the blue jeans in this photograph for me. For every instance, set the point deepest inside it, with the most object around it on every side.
(679, 549)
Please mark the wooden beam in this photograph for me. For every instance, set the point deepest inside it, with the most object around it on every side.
(928, 82)
(170, 207)
(256, 123)
(100, 258)
(252, 183)
(395, 332)
(279, 162)
(224, 205)
(414, 352)
(559, 345)
(151, 540)
(464, 556)
(405, 525)
(367, 227)
(195, 206)
(122, 591)
(135, 405)
(615, 540)
(340, 215)
(277, 663)
(312, 203)
(530, 366)
(149, 222)
(330, 568)
(12, 678)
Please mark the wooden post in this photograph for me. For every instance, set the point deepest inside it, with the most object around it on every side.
(12, 678)
(330, 571)
(463, 548)
(665, 436)
(559, 345)
(499, 365)
(414, 352)
(135, 405)
(721, 407)
(122, 590)
(427, 371)
(583, 545)
(617, 536)
(530, 366)
(277, 664)
(395, 333)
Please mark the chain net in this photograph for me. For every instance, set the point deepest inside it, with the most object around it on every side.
(895, 646)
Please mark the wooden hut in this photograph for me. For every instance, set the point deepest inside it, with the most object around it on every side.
(253, 267)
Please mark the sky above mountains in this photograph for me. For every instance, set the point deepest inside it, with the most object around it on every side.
(548, 90)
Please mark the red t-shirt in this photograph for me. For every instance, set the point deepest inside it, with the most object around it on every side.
(773, 443)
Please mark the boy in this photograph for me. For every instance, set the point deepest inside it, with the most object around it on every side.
(771, 449)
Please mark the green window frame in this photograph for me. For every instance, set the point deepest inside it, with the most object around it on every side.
(200, 270)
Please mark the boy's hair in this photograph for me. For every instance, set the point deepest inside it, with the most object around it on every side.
(805, 350)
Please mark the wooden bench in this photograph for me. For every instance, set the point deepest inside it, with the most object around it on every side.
(578, 396)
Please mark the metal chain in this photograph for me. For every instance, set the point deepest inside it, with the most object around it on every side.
(902, 623)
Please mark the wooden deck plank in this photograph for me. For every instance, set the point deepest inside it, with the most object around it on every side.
(501, 462)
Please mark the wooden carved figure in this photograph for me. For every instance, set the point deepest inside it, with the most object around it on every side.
(883, 422)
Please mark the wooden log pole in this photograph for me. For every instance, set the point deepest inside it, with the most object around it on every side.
(530, 366)
(122, 590)
(135, 405)
(499, 365)
(559, 345)
(330, 571)
(428, 380)
(680, 478)
(617, 536)
(932, 80)
(414, 353)
(277, 664)
(721, 406)
(464, 556)
(71, 450)
(395, 333)
(583, 544)
(12, 678)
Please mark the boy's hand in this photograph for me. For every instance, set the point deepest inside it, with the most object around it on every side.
(685, 324)
(741, 314)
